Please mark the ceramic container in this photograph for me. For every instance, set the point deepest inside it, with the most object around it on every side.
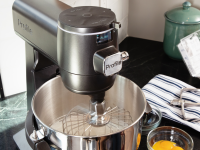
(179, 23)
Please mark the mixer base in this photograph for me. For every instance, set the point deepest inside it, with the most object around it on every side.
(20, 140)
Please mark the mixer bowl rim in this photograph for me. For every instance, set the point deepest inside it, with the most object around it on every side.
(56, 131)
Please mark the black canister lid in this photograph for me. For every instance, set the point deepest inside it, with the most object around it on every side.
(86, 19)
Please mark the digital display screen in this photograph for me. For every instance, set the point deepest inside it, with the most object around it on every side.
(104, 38)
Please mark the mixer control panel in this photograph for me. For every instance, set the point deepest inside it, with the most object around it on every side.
(104, 38)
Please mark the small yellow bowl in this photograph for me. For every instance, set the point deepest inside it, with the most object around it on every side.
(176, 135)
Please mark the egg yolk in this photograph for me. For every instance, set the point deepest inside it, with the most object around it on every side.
(177, 148)
(138, 140)
(166, 145)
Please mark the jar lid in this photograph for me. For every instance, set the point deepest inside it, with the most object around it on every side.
(184, 15)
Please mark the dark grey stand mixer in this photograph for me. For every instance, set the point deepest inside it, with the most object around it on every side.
(72, 60)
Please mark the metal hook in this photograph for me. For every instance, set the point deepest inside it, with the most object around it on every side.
(184, 103)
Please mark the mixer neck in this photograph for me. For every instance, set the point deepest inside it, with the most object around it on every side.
(98, 97)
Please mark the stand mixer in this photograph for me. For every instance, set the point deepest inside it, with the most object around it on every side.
(84, 104)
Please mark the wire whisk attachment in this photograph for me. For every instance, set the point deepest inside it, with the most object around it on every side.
(77, 122)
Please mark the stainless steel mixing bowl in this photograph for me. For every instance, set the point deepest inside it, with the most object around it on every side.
(61, 115)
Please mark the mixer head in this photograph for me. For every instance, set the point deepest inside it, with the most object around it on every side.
(87, 49)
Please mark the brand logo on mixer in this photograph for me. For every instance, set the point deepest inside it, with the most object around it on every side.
(113, 65)
(24, 26)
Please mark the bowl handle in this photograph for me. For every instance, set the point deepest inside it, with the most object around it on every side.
(42, 145)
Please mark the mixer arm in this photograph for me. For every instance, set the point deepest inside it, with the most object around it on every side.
(108, 61)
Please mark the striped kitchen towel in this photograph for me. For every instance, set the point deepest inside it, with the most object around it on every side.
(161, 90)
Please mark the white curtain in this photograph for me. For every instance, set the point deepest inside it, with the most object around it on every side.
(12, 53)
